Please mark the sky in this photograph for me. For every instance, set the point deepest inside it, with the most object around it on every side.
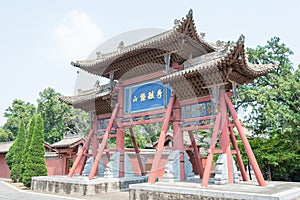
(39, 38)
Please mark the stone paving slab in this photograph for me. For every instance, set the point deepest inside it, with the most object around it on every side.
(193, 190)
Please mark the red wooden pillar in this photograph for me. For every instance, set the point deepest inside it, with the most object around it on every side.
(161, 141)
(120, 131)
(178, 140)
(84, 149)
(120, 149)
(225, 135)
(245, 142)
(95, 145)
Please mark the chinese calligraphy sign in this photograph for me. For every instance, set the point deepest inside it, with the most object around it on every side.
(147, 96)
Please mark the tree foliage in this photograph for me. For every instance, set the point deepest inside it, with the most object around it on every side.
(14, 113)
(274, 101)
(144, 134)
(35, 163)
(58, 115)
(15, 173)
(5, 135)
(30, 131)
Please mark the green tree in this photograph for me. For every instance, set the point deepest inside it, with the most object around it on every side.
(141, 140)
(18, 110)
(35, 163)
(30, 131)
(15, 173)
(274, 101)
(5, 135)
(58, 115)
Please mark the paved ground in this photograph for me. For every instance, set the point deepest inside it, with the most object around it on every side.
(242, 190)
(10, 191)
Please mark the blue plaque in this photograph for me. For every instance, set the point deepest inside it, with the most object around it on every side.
(147, 96)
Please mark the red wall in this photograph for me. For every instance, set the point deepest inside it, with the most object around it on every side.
(55, 166)
(4, 170)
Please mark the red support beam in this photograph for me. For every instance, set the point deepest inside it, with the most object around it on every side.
(211, 151)
(238, 155)
(147, 113)
(197, 155)
(225, 135)
(137, 152)
(229, 165)
(84, 149)
(178, 141)
(245, 142)
(104, 116)
(95, 145)
(194, 128)
(103, 143)
(199, 118)
(161, 141)
(120, 149)
(140, 122)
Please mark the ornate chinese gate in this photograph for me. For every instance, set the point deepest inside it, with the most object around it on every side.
(175, 78)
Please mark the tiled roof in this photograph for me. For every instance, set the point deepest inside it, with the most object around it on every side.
(184, 30)
(90, 100)
(224, 56)
(4, 146)
(85, 95)
(68, 142)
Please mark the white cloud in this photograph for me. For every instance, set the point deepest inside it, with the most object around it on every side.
(75, 37)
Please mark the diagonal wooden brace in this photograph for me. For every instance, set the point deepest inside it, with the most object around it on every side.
(211, 152)
(245, 142)
(238, 155)
(103, 143)
(84, 149)
(137, 152)
(197, 155)
(161, 141)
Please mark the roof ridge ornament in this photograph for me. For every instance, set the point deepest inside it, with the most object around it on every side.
(99, 55)
(121, 46)
(202, 35)
(241, 40)
(176, 22)
(190, 13)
